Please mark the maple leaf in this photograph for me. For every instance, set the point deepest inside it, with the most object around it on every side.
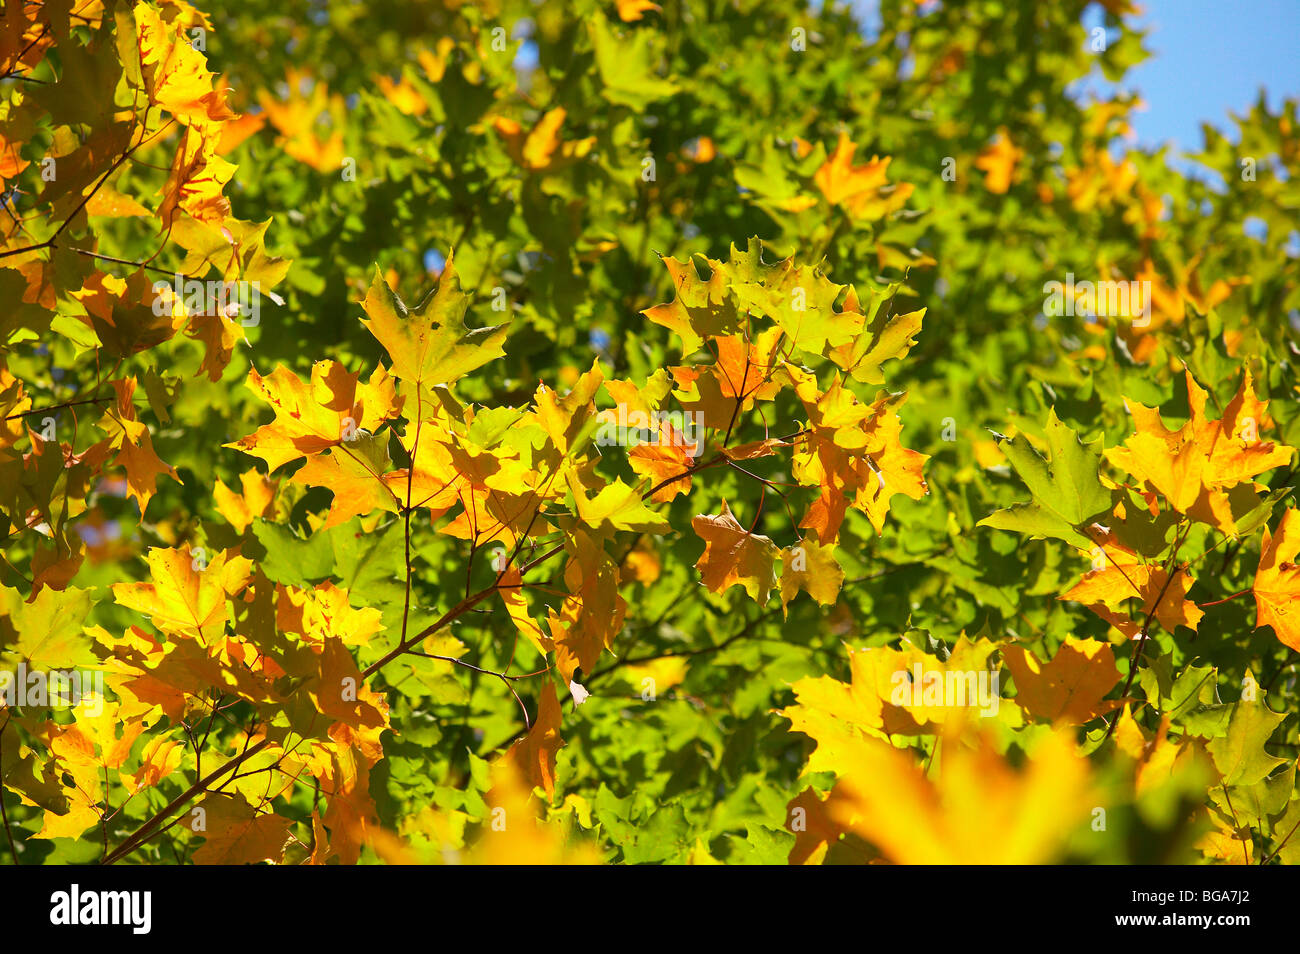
(541, 149)
(630, 10)
(998, 162)
(810, 567)
(11, 163)
(1125, 576)
(664, 461)
(196, 181)
(864, 191)
(330, 410)
(430, 345)
(1070, 688)
(884, 337)
(535, 752)
(701, 308)
(800, 300)
(131, 439)
(338, 690)
(121, 313)
(323, 612)
(732, 555)
(1277, 581)
(744, 368)
(1227, 843)
(817, 830)
(616, 507)
(524, 839)
(1158, 758)
(236, 833)
(256, 499)
(99, 739)
(24, 36)
(404, 95)
(46, 630)
(356, 472)
(107, 202)
(570, 420)
(439, 468)
(592, 613)
(235, 131)
(883, 697)
(979, 809)
(1239, 754)
(297, 119)
(184, 600)
(510, 589)
(351, 815)
(1193, 467)
(160, 758)
(176, 73)
(1067, 492)
(853, 449)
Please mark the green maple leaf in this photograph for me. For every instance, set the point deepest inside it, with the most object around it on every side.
(47, 632)
(1067, 492)
(1240, 754)
(627, 66)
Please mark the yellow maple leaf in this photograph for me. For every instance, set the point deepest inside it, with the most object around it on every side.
(188, 595)
(978, 810)
(630, 10)
(176, 73)
(810, 567)
(1195, 466)
(255, 499)
(541, 149)
(310, 416)
(236, 833)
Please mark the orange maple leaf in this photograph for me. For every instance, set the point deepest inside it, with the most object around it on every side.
(255, 499)
(1125, 576)
(1070, 688)
(1277, 581)
(592, 613)
(998, 162)
(732, 555)
(541, 149)
(134, 446)
(864, 191)
(535, 752)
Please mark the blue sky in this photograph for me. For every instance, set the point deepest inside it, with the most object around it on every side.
(1210, 57)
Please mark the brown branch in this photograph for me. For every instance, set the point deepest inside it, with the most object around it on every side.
(1146, 630)
(141, 834)
(56, 407)
(4, 814)
(460, 609)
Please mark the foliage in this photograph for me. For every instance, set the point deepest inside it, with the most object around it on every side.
(479, 534)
